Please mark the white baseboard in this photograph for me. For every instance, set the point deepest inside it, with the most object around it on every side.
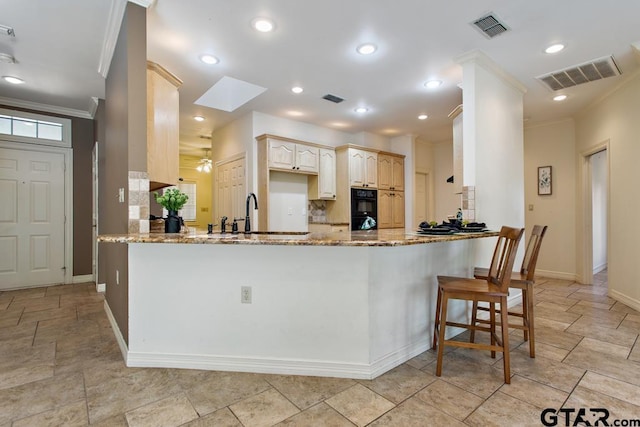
(556, 275)
(624, 299)
(101, 287)
(279, 366)
(82, 279)
(116, 331)
(599, 268)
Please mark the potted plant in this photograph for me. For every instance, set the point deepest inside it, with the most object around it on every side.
(172, 200)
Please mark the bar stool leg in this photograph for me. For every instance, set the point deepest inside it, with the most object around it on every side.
(436, 324)
(443, 326)
(474, 321)
(504, 319)
(530, 321)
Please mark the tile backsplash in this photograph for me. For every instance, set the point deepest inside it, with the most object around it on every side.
(138, 202)
(469, 203)
(317, 211)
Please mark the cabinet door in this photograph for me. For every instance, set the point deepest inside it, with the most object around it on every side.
(327, 174)
(307, 158)
(282, 155)
(397, 173)
(385, 166)
(371, 170)
(356, 167)
(385, 209)
(162, 131)
(398, 209)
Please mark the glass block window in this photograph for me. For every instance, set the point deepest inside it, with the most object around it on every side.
(35, 128)
(188, 211)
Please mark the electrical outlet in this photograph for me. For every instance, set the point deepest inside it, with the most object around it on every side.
(117, 277)
(245, 294)
(290, 211)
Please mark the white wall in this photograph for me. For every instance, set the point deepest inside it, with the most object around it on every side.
(264, 123)
(552, 144)
(615, 119)
(287, 202)
(599, 184)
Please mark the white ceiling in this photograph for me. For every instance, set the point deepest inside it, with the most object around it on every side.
(59, 45)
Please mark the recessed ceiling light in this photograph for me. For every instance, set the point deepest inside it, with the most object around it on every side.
(209, 59)
(432, 84)
(554, 48)
(13, 80)
(263, 25)
(422, 117)
(361, 110)
(560, 98)
(198, 118)
(366, 49)
(294, 113)
(297, 89)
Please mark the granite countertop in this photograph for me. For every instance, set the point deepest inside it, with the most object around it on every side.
(395, 237)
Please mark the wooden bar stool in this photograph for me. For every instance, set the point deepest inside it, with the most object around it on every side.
(523, 280)
(494, 289)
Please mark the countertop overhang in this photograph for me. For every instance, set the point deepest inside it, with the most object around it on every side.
(394, 237)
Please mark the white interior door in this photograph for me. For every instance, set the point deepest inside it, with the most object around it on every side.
(422, 198)
(32, 219)
(231, 190)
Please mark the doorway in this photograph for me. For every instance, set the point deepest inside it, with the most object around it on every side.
(33, 223)
(230, 188)
(595, 195)
(423, 197)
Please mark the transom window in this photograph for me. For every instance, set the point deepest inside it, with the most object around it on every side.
(35, 128)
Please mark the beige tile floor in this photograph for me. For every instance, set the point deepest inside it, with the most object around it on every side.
(60, 366)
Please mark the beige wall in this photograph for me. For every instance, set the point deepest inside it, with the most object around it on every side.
(552, 145)
(446, 201)
(188, 172)
(616, 119)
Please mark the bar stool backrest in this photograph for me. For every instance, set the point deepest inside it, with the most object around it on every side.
(533, 249)
(504, 256)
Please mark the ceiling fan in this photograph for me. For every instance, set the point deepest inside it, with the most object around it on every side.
(205, 164)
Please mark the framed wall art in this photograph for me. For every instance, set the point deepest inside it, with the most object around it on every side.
(544, 180)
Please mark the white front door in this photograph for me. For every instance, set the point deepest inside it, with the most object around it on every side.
(32, 219)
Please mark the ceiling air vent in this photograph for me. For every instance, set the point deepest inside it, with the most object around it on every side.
(597, 69)
(490, 25)
(333, 98)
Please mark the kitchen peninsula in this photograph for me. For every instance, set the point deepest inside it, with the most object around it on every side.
(350, 304)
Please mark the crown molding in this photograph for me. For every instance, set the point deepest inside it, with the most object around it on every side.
(478, 57)
(114, 21)
(46, 108)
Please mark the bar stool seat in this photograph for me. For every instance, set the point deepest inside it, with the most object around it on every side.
(492, 290)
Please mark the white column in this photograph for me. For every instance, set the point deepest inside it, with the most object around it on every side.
(493, 144)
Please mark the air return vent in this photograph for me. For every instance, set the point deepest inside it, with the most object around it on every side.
(490, 25)
(333, 98)
(584, 73)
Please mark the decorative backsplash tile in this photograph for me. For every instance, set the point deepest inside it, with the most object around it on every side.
(469, 203)
(138, 202)
(317, 211)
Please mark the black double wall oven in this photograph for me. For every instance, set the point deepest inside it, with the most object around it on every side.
(364, 209)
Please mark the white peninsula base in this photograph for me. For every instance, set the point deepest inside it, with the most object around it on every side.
(337, 311)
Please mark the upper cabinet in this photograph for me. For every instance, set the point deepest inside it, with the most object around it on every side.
(323, 186)
(162, 127)
(293, 157)
(363, 168)
(390, 172)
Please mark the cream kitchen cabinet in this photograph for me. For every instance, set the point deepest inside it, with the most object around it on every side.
(363, 168)
(290, 156)
(323, 185)
(390, 172)
(390, 209)
(162, 127)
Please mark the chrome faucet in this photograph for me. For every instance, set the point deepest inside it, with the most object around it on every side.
(247, 220)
